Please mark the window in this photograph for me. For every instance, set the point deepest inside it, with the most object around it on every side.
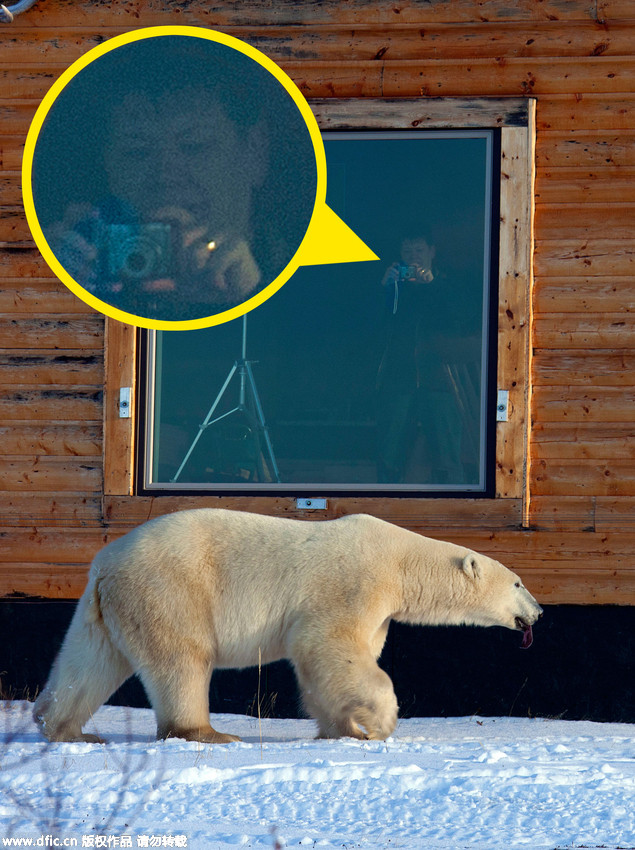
(145, 452)
(356, 376)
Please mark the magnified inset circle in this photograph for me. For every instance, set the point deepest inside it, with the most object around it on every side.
(170, 177)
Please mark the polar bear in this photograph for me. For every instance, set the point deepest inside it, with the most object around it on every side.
(201, 589)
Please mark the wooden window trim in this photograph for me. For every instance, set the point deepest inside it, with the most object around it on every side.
(510, 508)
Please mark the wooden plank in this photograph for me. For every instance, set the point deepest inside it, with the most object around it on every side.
(615, 514)
(554, 548)
(563, 513)
(51, 366)
(421, 514)
(44, 545)
(50, 402)
(497, 76)
(23, 330)
(579, 477)
(611, 586)
(583, 440)
(22, 264)
(345, 77)
(328, 41)
(583, 185)
(130, 14)
(50, 580)
(39, 295)
(119, 433)
(584, 330)
(514, 308)
(585, 149)
(585, 367)
(580, 111)
(41, 473)
(584, 257)
(419, 113)
(76, 439)
(580, 404)
(50, 510)
(573, 221)
(580, 294)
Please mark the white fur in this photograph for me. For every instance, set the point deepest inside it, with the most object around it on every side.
(203, 589)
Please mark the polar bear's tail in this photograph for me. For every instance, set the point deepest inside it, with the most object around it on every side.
(88, 669)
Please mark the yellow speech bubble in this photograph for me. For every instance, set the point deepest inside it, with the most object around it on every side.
(326, 239)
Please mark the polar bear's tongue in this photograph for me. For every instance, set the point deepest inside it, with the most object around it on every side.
(528, 638)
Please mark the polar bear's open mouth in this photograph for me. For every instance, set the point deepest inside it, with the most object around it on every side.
(528, 635)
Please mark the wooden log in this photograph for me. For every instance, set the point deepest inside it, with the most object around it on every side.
(583, 368)
(583, 441)
(580, 404)
(119, 432)
(367, 41)
(587, 221)
(422, 514)
(420, 113)
(59, 332)
(23, 264)
(563, 513)
(578, 111)
(41, 296)
(52, 580)
(41, 473)
(582, 185)
(51, 510)
(499, 76)
(615, 513)
(581, 294)
(51, 366)
(585, 149)
(584, 330)
(575, 477)
(38, 545)
(77, 439)
(51, 403)
(584, 257)
(529, 76)
(302, 13)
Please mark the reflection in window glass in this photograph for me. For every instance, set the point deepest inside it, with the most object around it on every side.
(368, 376)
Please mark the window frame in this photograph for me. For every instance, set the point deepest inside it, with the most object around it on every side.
(515, 118)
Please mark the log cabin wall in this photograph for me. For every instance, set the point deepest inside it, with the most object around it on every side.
(575, 58)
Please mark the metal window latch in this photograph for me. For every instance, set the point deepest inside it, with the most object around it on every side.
(502, 406)
(311, 504)
(124, 402)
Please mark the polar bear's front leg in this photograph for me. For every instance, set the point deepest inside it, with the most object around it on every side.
(349, 695)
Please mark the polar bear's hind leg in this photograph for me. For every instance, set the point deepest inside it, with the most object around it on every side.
(88, 670)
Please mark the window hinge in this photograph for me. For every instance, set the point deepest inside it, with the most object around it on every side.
(502, 406)
(124, 402)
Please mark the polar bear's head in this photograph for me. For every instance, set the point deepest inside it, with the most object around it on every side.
(497, 596)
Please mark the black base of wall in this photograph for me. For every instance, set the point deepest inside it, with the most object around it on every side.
(580, 667)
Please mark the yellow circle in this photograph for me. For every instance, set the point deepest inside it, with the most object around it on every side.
(49, 101)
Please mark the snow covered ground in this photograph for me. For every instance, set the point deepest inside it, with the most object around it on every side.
(438, 784)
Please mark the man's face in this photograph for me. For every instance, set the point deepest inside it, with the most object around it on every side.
(417, 252)
(183, 153)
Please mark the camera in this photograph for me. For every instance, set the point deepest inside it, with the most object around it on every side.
(139, 252)
(414, 274)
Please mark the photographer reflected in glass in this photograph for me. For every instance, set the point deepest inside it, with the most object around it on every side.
(419, 416)
(174, 235)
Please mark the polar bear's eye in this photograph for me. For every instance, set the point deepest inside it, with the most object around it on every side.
(518, 584)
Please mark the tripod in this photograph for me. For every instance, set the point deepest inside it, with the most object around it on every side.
(247, 384)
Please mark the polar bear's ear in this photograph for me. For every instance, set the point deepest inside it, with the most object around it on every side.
(471, 566)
